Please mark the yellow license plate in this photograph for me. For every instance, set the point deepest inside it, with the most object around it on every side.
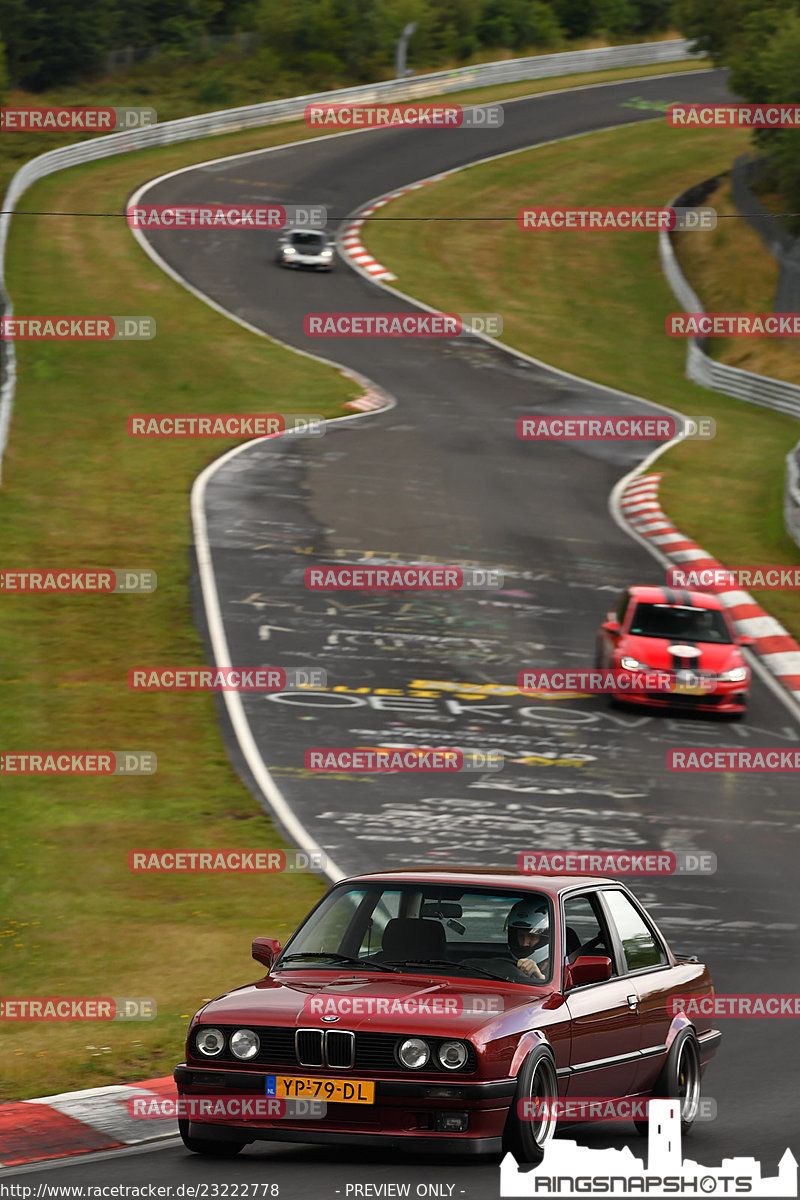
(688, 689)
(337, 1091)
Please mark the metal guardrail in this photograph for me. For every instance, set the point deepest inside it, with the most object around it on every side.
(733, 381)
(251, 116)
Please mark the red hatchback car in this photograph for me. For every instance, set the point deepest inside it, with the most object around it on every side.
(419, 1008)
(687, 634)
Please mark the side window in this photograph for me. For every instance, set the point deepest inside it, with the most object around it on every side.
(584, 931)
(640, 946)
(622, 606)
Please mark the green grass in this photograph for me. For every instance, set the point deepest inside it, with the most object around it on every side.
(595, 304)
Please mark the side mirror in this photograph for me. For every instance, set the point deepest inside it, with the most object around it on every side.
(744, 639)
(266, 950)
(589, 968)
(611, 624)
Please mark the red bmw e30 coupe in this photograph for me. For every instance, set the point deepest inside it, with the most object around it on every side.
(422, 1008)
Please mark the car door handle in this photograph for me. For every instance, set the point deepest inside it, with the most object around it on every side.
(633, 1001)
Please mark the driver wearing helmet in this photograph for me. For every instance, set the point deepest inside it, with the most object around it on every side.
(528, 925)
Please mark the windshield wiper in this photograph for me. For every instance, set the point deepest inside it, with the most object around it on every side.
(444, 962)
(345, 959)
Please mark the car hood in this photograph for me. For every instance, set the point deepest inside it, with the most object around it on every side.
(364, 1000)
(656, 652)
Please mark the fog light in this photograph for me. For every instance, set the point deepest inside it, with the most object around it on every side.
(452, 1122)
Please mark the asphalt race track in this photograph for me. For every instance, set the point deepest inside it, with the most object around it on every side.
(443, 477)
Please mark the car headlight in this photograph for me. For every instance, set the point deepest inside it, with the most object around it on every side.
(210, 1042)
(414, 1053)
(452, 1055)
(631, 664)
(736, 675)
(289, 250)
(245, 1043)
(327, 254)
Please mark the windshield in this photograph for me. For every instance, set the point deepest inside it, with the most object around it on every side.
(679, 623)
(308, 240)
(437, 929)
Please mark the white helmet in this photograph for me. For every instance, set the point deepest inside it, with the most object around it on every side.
(530, 916)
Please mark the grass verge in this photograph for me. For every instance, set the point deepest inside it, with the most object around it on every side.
(595, 305)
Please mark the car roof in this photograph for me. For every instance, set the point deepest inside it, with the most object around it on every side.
(552, 885)
(677, 596)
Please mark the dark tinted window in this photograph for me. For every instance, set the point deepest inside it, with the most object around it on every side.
(679, 623)
(638, 943)
(622, 606)
(583, 931)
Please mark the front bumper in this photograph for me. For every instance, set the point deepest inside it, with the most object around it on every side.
(404, 1113)
(726, 698)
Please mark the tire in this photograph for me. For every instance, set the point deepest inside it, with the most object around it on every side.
(526, 1139)
(209, 1147)
(679, 1080)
